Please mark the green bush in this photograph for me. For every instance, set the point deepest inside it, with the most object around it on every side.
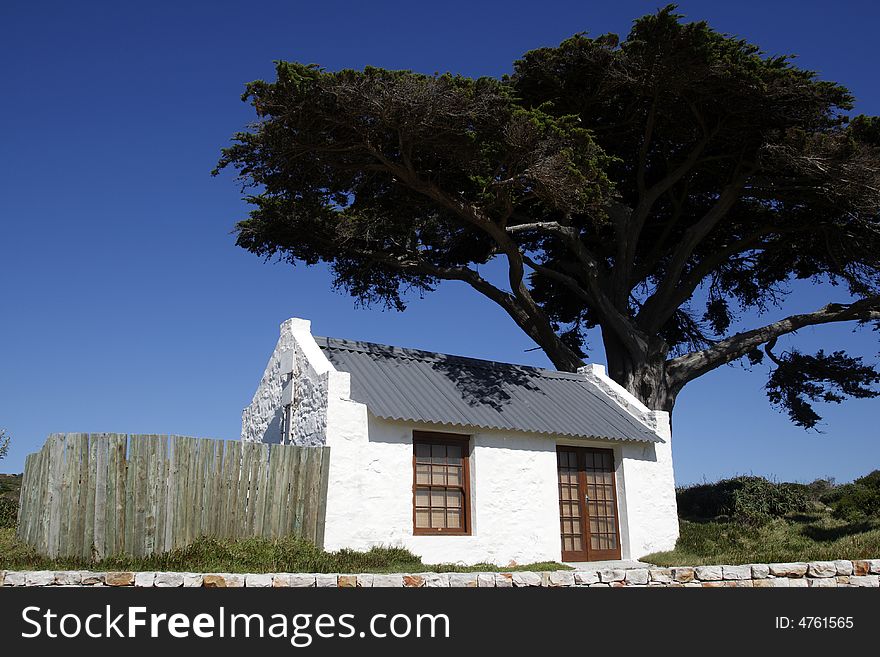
(750, 500)
(858, 501)
(8, 512)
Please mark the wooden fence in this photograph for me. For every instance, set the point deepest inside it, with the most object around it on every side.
(100, 494)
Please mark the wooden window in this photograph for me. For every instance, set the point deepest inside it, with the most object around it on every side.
(441, 483)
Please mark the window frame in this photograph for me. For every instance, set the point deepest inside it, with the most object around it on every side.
(460, 440)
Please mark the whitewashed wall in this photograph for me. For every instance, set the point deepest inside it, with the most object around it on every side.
(514, 498)
(514, 503)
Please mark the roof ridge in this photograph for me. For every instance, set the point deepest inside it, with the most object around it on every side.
(362, 346)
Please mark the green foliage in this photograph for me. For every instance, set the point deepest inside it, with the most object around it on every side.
(818, 488)
(858, 501)
(752, 520)
(801, 378)
(745, 500)
(255, 555)
(815, 537)
(8, 512)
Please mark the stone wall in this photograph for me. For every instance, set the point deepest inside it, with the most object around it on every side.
(290, 403)
(815, 574)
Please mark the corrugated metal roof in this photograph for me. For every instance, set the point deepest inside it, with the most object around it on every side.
(423, 386)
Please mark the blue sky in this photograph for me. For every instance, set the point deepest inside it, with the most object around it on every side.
(124, 304)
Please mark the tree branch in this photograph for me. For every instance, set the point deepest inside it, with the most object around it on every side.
(658, 308)
(629, 229)
(595, 295)
(690, 366)
(527, 313)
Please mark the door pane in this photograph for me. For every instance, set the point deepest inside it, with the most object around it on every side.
(571, 527)
(602, 507)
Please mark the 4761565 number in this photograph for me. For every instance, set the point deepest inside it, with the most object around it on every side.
(815, 623)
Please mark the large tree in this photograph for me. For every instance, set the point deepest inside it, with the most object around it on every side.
(656, 188)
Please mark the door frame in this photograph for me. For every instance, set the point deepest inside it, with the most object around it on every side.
(588, 553)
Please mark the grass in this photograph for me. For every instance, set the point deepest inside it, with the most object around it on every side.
(253, 555)
(814, 536)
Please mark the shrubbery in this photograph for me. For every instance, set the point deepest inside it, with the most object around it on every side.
(750, 500)
(8, 512)
(858, 501)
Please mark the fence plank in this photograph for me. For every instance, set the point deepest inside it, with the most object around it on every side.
(53, 507)
(100, 440)
(263, 486)
(242, 494)
(121, 497)
(110, 506)
(184, 504)
(150, 484)
(163, 481)
(89, 519)
(81, 441)
(226, 489)
(272, 509)
(206, 457)
(252, 472)
(214, 480)
(311, 502)
(282, 492)
(46, 497)
(189, 502)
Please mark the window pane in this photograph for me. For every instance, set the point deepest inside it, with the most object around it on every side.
(422, 518)
(453, 453)
(438, 452)
(438, 475)
(422, 450)
(422, 497)
(454, 475)
(438, 497)
(453, 499)
(423, 474)
(438, 518)
(453, 519)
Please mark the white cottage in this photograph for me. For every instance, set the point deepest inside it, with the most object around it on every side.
(466, 460)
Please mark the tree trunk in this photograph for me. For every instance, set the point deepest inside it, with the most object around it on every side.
(643, 375)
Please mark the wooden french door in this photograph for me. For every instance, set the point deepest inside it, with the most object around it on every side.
(588, 520)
